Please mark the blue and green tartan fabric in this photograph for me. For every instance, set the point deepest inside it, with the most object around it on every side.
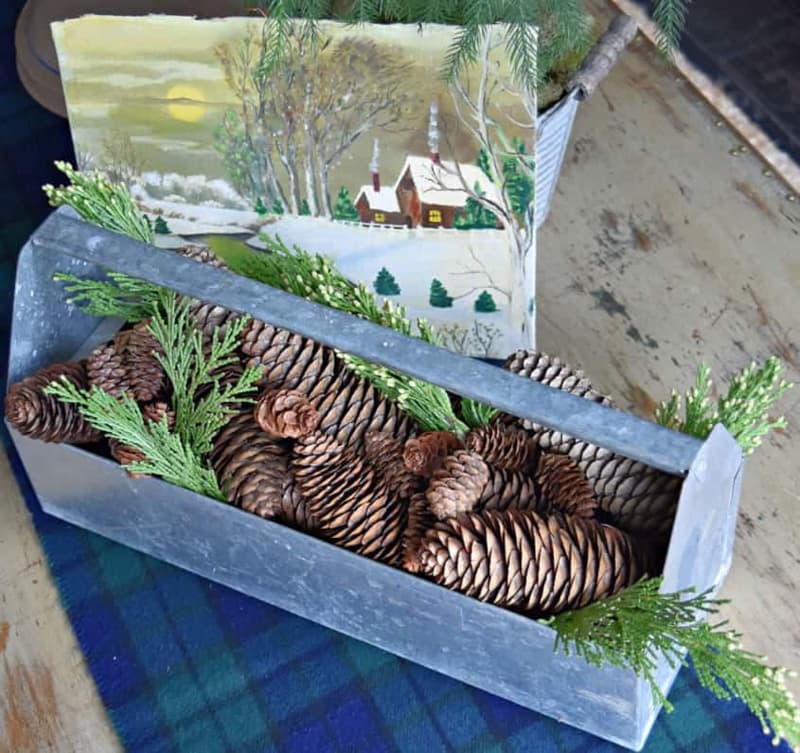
(183, 664)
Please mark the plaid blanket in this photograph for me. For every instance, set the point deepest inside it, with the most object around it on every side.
(184, 664)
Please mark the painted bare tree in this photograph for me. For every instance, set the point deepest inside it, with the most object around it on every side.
(488, 107)
(299, 119)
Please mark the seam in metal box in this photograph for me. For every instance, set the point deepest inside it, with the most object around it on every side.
(497, 650)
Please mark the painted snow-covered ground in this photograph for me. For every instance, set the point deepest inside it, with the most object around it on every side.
(467, 262)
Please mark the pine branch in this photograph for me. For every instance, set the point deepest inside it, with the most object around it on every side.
(670, 20)
(120, 295)
(476, 414)
(106, 204)
(632, 629)
(744, 410)
(166, 454)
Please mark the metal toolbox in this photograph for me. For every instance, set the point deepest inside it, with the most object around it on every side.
(493, 649)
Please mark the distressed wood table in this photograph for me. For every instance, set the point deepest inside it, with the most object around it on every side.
(663, 249)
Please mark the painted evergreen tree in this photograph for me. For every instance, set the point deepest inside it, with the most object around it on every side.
(438, 296)
(385, 284)
(259, 208)
(475, 216)
(484, 303)
(277, 207)
(161, 226)
(344, 208)
(484, 164)
(519, 185)
(305, 210)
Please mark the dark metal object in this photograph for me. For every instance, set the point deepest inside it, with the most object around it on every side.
(490, 648)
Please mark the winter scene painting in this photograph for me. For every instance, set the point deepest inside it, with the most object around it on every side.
(354, 146)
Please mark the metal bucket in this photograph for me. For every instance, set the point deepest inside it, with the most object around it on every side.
(491, 648)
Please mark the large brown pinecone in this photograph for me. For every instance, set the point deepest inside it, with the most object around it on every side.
(128, 365)
(425, 453)
(385, 453)
(507, 490)
(349, 405)
(420, 519)
(294, 511)
(507, 447)
(540, 565)
(638, 498)
(458, 484)
(285, 414)
(252, 468)
(45, 417)
(561, 485)
(348, 498)
(125, 454)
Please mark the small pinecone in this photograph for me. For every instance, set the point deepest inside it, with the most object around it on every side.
(203, 254)
(294, 511)
(458, 484)
(507, 490)
(385, 453)
(351, 503)
(420, 520)
(39, 416)
(128, 365)
(562, 486)
(251, 467)
(507, 447)
(425, 453)
(528, 562)
(225, 376)
(124, 454)
(285, 414)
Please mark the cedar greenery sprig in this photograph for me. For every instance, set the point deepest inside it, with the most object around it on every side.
(191, 366)
(167, 455)
(101, 202)
(631, 629)
(316, 278)
(119, 295)
(744, 410)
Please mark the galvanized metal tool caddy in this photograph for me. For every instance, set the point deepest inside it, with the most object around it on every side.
(490, 648)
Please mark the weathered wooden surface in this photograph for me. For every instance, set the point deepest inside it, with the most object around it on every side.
(662, 250)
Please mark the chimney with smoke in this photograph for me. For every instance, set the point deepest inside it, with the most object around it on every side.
(433, 132)
(373, 166)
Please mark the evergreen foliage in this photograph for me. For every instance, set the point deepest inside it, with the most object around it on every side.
(475, 216)
(119, 295)
(484, 303)
(631, 629)
(519, 185)
(563, 27)
(438, 296)
(277, 207)
(108, 205)
(305, 210)
(259, 208)
(385, 284)
(743, 410)
(160, 227)
(344, 208)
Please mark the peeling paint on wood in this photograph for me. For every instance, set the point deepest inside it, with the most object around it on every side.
(4, 630)
(28, 708)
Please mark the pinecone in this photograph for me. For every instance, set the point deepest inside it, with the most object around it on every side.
(506, 490)
(457, 486)
(294, 511)
(562, 486)
(528, 562)
(211, 318)
(420, 519)
(128, 365)
(507, 447)
(385, 453)
(637, 498)
(351, 503)
(426, 453)
(39, 416)
(203, 254)
(124, 454)
(285, 414)
(224, 376)
(251, 467)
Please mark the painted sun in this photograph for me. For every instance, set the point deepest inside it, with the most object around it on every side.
(185, 103)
